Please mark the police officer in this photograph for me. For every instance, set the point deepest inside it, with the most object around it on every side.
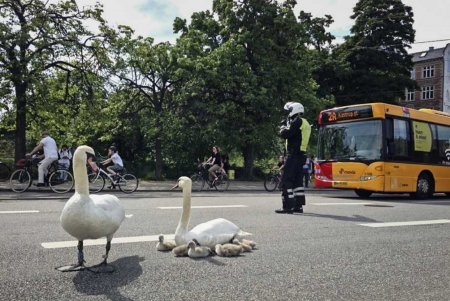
(296, 130)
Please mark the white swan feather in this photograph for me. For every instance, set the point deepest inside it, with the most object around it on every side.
(208, 234)
(90, 216)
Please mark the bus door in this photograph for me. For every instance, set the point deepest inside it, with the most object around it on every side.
(397, 176)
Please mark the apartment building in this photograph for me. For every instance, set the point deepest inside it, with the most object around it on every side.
(432, 73)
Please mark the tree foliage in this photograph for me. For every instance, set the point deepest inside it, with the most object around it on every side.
(379, 65)
(35, 38)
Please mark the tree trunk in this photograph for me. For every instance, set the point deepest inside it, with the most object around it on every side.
(158, 143)
(158, 172)
(248, 162)
(21, 121)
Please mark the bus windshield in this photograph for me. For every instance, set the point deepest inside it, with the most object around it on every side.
(351, 141)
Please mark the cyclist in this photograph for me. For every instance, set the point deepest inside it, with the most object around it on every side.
(50, 155)
(115, 159)
(215, 161)
(280, 164)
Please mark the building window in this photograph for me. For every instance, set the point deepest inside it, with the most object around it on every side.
(427, 92)
(413, 74)
(428, 71)
(409, 95)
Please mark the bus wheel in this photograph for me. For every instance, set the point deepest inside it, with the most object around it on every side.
(363, 193)
(424, 187)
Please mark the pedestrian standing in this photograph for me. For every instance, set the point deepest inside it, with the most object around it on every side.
(306, 172)
(296, 130)
(64, 160)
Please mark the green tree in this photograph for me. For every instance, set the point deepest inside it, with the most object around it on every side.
(35, 38)
(255, 61)
(379, 65)
(150, 72)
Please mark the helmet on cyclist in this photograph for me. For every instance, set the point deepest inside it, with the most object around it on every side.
(294, 108)
(113, 148)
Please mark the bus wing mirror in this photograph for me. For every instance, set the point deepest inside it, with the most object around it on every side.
(391, 148)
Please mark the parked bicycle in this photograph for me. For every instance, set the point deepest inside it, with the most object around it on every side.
(201, 177)
(273, 181)
(126, 182)
(5, 172)
(58, 178)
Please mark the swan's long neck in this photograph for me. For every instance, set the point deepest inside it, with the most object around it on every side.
(80, 173)
(186, 215)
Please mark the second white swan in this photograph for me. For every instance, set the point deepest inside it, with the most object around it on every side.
(208, 234)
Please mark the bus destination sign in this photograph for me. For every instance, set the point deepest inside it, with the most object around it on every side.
(341, 114)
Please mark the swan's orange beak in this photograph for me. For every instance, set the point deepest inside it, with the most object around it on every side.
(175, 186)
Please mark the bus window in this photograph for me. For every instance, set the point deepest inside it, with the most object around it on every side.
(351, 141)
(443, 138)
(401, 138)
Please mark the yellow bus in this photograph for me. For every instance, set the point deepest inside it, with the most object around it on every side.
(382, 148)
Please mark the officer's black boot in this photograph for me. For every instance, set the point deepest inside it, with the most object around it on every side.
(298, 204)
(287, 207)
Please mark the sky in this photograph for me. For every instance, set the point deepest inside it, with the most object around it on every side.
(154, 18)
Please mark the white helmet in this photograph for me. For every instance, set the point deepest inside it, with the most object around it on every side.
(294, 108)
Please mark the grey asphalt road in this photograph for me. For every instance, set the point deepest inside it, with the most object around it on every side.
(324, 254)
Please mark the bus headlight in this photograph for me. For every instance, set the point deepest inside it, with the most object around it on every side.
(367, 178)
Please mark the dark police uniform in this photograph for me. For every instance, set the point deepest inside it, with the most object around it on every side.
(297, 134)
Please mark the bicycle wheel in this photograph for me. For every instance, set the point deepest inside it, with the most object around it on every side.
(270, 183)
(20, 180)
(128, 183)
(4, 172)
(61, 181)
(197, 182)
(221, 184)
(96, 182)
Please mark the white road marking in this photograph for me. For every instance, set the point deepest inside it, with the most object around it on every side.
(102, 241)
(203, 207)
(331, 204)
(23, 211)
(413, 223)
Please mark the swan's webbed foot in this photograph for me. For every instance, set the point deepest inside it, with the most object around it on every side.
(102, 268)
(75, 267)
(71, 268)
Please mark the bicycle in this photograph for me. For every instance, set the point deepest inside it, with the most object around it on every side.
(273, 181)
(198, 179)
(127, 183)
(58, 178)
(5, 172)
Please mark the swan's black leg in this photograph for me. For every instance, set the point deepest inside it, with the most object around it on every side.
(103, 267)
(75, 267)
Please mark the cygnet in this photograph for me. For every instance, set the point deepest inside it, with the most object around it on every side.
(195, 251)
(245, 247)
(165, 245)
(251, 243)
(228, 250)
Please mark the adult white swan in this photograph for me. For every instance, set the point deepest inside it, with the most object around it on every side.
(209, 234)
(90, 216)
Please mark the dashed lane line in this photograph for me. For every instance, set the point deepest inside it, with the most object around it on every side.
(411, 223)
(102, 241)
(22, 211)
(332, 204)
(204, 207)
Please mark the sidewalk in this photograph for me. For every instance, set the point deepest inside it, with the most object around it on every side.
(167, 186)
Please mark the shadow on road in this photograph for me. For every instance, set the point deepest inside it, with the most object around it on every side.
(354, 218)
(128, 269)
